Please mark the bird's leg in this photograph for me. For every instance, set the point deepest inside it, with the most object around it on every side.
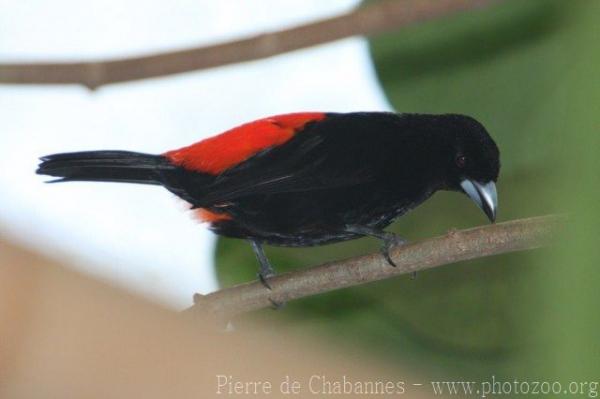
(389, 239)
(266, 270)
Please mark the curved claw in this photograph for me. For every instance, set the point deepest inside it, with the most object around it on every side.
(390, 241)
(263, 279)
(385, 251)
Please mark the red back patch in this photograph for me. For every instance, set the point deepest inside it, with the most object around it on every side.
(219, 153)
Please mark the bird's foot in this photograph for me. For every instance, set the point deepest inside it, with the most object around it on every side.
(264, 276)
(390, 240)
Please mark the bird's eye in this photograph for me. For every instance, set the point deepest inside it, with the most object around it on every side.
(461, 160)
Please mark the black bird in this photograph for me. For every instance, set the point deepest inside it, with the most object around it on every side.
(307, 179)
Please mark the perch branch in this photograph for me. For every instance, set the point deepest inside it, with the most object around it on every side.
(459, 245)
(380, 17)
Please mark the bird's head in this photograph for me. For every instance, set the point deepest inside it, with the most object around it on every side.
(474, 162)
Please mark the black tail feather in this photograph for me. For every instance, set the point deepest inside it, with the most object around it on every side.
(109, 166)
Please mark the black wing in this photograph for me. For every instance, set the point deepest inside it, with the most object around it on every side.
(341, 151)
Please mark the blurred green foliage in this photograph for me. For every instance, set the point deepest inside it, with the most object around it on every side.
(528, 70)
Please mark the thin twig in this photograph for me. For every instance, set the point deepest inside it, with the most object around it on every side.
(380, 17)
(516, 235)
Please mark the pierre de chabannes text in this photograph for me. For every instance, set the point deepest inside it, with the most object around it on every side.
(320, 384)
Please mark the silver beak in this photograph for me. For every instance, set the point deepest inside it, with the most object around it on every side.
(484, 195)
